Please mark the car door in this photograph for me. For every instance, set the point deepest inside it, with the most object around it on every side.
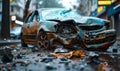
(30, 27)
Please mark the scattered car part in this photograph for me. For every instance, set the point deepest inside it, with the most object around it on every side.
(47, 59)
(71, 54)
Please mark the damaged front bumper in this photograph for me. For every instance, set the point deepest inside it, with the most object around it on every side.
(102, 40)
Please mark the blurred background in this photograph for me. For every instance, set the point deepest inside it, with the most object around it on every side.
(13, 11)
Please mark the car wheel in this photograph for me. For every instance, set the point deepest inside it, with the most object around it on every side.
(42, 40)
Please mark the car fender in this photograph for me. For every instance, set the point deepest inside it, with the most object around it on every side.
(48, 26)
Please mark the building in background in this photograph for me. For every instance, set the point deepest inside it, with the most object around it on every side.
(113, 13)
(17, 8)
(110, 10)
(86, 7)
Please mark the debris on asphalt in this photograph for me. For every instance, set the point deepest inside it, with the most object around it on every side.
(7, 56)
(71, 54)
(23, 58)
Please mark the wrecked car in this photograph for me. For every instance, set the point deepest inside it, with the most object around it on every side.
(48, 33)
(51, 28)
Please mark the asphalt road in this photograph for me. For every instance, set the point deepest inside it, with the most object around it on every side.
(34, 61)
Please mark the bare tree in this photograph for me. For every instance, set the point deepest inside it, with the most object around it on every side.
(26, 9)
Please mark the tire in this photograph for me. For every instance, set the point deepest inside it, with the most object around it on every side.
(42, 41)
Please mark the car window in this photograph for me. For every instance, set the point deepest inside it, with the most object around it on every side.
(50, 14)
(57, 13)
(34, 16)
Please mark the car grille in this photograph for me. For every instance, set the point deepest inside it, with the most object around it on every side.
(93, 33)
(91, 27)
(99, 41)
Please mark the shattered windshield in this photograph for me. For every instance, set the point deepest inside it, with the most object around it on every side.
(57, 13)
